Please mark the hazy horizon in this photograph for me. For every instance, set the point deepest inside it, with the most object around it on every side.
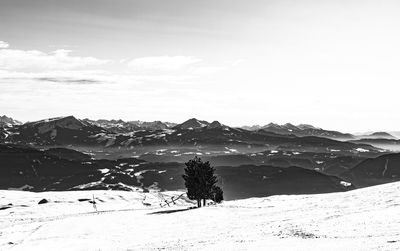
(331, 64)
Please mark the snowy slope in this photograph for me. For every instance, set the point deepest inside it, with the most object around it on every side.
(364, 219)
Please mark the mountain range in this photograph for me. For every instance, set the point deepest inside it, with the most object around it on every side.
(67, 153)
(71, 131)
(120, 126)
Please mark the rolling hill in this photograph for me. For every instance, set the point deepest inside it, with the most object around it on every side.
(26, 168)
(375, 171)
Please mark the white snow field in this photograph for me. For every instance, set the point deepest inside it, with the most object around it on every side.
(364, 219)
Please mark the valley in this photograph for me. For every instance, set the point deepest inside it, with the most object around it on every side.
(66, 153)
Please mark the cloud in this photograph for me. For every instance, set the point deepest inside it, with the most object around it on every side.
(60, 77)
(36, 61)
(60, 67)
(163, 63)
(69, 80)
(4, 45)
(205, 70)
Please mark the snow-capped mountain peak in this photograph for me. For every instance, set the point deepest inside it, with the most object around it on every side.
(47, 125)
(193, 124)
(8, 121)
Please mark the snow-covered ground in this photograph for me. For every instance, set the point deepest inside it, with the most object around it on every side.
(365, 219)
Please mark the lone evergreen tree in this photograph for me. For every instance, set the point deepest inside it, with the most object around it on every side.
(200, 181)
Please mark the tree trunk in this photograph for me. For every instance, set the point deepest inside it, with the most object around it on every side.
(199, 203)
(204, 202)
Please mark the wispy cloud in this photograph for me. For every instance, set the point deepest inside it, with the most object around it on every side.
(69, 81)
(58, 80)
(164, 63)
(59, 77)
(59, 66)
(34, 60)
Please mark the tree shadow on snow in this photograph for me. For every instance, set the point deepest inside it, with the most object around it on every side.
(173, 211)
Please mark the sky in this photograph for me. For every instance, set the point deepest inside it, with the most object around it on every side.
(330, 63)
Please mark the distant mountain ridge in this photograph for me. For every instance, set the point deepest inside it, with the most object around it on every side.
(62, 131)
(56, 131)
(120, 126)
(377, 135)
(300, 130)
